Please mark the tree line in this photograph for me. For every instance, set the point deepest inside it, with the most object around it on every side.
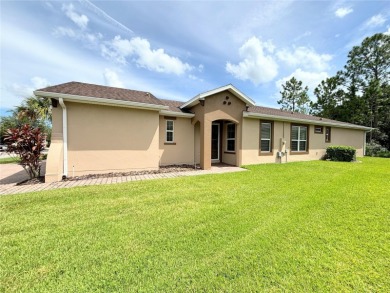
(358, 94)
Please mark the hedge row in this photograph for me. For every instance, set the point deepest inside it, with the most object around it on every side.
(341, 153)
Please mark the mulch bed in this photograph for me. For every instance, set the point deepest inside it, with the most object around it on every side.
(163, 169)
(39, 180)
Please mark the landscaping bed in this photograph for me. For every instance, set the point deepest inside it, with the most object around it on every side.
(162, 169)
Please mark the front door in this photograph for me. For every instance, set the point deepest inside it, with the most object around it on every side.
(215, 142)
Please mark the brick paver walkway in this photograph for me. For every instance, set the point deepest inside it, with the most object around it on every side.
(13, 189)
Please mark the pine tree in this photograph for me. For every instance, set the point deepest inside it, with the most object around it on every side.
(294, 96)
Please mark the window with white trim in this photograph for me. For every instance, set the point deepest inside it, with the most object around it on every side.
(169, 131)
(231, 137)
(299, 138)
(265, 137)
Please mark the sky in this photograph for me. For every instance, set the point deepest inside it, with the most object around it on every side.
(178, 49)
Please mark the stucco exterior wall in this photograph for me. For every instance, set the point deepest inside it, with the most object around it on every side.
(317, 144)
(215, 109)
(54, 162)
(104, 139)
(181, 151)
(197, 142)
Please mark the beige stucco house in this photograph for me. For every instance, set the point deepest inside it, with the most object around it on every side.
(99, 129)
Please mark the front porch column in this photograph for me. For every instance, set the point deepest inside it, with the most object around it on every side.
(205, 144)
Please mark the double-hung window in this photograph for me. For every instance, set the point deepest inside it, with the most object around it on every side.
(169, 131)
(266, 137)
(231, 137)
(299, 138)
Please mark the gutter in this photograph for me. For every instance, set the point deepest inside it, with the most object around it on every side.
(365, 140)
(65, 138)
(101, 101)
(316, 122)
(177, 114)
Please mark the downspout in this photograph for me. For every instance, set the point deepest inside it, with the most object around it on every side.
(65, 137)
(365, 141)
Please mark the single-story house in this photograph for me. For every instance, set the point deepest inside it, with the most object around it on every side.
(101, 129)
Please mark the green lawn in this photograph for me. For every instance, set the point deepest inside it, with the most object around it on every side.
(310, 226)
(9, 160)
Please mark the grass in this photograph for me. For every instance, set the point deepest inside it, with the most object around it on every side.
(9, 160)
(309, 226)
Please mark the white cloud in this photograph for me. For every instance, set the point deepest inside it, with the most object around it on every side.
(64, 31)
(304, 57)
(111, 78)
(376, 20)
(304, 35)
(310, 79)
(90, 39)
(139, 49)
(80, 19)
(258, 64)
(343, 11)
(39, 82)
(193, 77)
(388, 31)
(26, 90)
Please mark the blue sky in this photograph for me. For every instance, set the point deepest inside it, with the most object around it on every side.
(178, 49)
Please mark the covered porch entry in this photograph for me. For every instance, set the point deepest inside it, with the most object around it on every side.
(223, 142)
(217, 143)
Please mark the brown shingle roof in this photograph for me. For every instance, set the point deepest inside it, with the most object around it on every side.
(104, 92)
(292, 115)
(173, 105)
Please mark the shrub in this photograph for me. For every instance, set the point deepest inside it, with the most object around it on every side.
(27, 142)
(341, 153)
(383, 154)
(373, 148)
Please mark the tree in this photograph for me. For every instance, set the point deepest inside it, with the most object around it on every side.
(360, 93)
(27, 142)
(294, 96)
(329, 99)
(35, 111)
(369, 63)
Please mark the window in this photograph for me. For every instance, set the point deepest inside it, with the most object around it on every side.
(169, 131)
(299, 139)
(266, 137)
(318, 129)
(327, 134)
(231, 137)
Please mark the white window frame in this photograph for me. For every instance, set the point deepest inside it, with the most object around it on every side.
(169, 131)
(229, 139)
(299, 139)
(268, 139)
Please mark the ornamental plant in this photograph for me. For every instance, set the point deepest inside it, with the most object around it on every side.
(27, 142)
(341, 153)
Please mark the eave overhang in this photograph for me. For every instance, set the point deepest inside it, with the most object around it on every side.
(195, 100)
(300, 120)
(176, 114)
(101, 101)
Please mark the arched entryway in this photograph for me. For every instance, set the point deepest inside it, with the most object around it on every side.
(223, 142)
